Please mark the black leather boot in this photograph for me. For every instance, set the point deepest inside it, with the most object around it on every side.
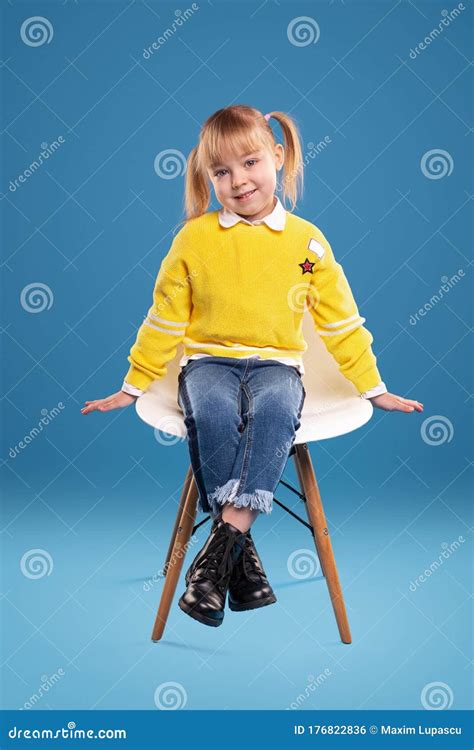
(248, 586)
(208, 577)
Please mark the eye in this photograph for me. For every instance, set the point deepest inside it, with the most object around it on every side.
(219, 172)
(251, 160)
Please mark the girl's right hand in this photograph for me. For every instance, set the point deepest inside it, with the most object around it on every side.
(116, 401)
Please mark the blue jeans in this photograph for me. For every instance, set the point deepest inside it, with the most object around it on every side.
(241, 417)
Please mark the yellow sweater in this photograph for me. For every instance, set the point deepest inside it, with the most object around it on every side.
(241, 292)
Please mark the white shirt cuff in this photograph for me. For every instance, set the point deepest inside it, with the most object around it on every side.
(131, 389)
(377, 390)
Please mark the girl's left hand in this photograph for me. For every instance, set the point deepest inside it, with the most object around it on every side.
(390, 402)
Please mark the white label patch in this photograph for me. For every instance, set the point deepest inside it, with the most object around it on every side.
(316, 247)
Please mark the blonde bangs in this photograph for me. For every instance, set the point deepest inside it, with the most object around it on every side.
(238, 139)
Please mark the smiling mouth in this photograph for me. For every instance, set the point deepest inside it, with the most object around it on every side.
(245, 196)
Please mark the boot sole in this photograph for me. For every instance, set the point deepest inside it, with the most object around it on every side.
(211, 621)
(252, 605)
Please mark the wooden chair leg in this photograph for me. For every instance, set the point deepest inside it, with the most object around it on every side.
(176, 559)
(182, 500)
(301, 483)
(317, 519)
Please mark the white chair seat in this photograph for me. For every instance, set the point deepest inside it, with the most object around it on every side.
(332, 405)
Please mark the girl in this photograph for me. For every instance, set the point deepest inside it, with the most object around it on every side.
(233, 289)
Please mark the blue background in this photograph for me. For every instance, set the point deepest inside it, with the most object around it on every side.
(99, 493)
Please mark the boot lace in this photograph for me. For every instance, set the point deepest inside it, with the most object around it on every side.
(247, 564)
(218, 561)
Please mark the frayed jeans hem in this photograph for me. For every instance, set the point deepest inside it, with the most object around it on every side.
(261, 500)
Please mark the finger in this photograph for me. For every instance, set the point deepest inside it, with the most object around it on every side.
(91, 407)
(415, 405)
(401, 404)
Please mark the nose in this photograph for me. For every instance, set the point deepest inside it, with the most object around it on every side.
(238, 179)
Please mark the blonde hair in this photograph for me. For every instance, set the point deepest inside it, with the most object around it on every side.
(239, 127)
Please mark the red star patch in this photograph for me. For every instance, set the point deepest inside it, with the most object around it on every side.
(307, 266)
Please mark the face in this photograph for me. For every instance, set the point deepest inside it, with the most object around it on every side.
(251, 176)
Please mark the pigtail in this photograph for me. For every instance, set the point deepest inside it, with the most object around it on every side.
(292, 182)
(196, 192)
